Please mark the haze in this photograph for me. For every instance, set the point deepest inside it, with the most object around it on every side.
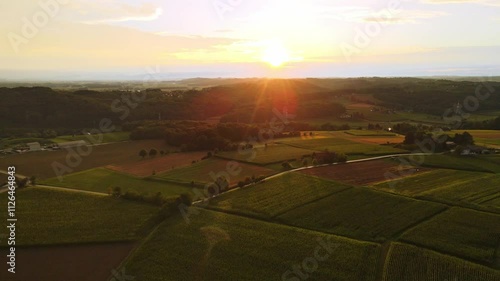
(120, 40)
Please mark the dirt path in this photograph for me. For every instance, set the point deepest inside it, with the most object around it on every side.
(71, 190)
(384, 254)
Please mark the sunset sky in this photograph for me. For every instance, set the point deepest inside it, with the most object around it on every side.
(112, 39)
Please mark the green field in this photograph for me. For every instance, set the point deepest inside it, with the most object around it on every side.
(466, 163)
(200, 172)
(483, 192)
(362, 213)
(465, 233)
(428, 181)
(218, 246)
(102, 180)
(370, 133)
(276, 196)
(487, 141)
(58, 217)
(342, 146)
(106, 138)
(409, 263)
(271, 154)
(10, 142)
(40, 164)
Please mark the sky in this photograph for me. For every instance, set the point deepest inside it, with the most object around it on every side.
(129, 39)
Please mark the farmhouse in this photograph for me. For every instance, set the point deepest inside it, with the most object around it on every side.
(34, 146)
(72, 144)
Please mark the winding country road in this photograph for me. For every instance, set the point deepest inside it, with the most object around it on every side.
(318, 166)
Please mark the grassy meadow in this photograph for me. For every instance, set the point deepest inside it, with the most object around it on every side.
(103, 180)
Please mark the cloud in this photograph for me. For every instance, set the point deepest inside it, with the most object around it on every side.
(148, 17)
(479, 2)
(364, 14)
(408, 16)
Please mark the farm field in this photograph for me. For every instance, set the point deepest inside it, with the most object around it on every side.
(95, 139)
(276, 196)
(465, 233)
(483, 192)
(418, 184)
(58, 217)
(271, 154)
(370, 133)
(410, 263)
(40, 163)
(103, 180)
(362, 213)
(478, 163)
(3, 179)
(67, 262)
(362, 173)
(218, 246)
(200, 172)
(159, 164)
(10, 142)
(342, 145)
(370, 136)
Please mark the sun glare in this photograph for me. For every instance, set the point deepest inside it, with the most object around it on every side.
(275, 54)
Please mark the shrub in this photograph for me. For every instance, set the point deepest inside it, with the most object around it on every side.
(117, 191)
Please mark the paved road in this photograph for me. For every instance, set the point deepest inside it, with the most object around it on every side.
(324, 165)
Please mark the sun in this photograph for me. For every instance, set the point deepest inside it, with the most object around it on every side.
(275, 54)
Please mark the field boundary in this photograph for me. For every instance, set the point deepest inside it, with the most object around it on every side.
(469, 259)
(423, 220)
(313, 201)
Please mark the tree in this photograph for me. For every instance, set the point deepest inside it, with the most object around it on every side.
(304, 162)
(153, 152)
(463, 139)
(117, 191)
(409, 138)
(33, 180)
(286, 165)
(186, 199)
(143, 153)
(341, 157)
(162, 152)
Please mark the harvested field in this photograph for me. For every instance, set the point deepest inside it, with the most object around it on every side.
(40, 163)
(145, 167)
(201, 172)
(363, 173)
(63, 263)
